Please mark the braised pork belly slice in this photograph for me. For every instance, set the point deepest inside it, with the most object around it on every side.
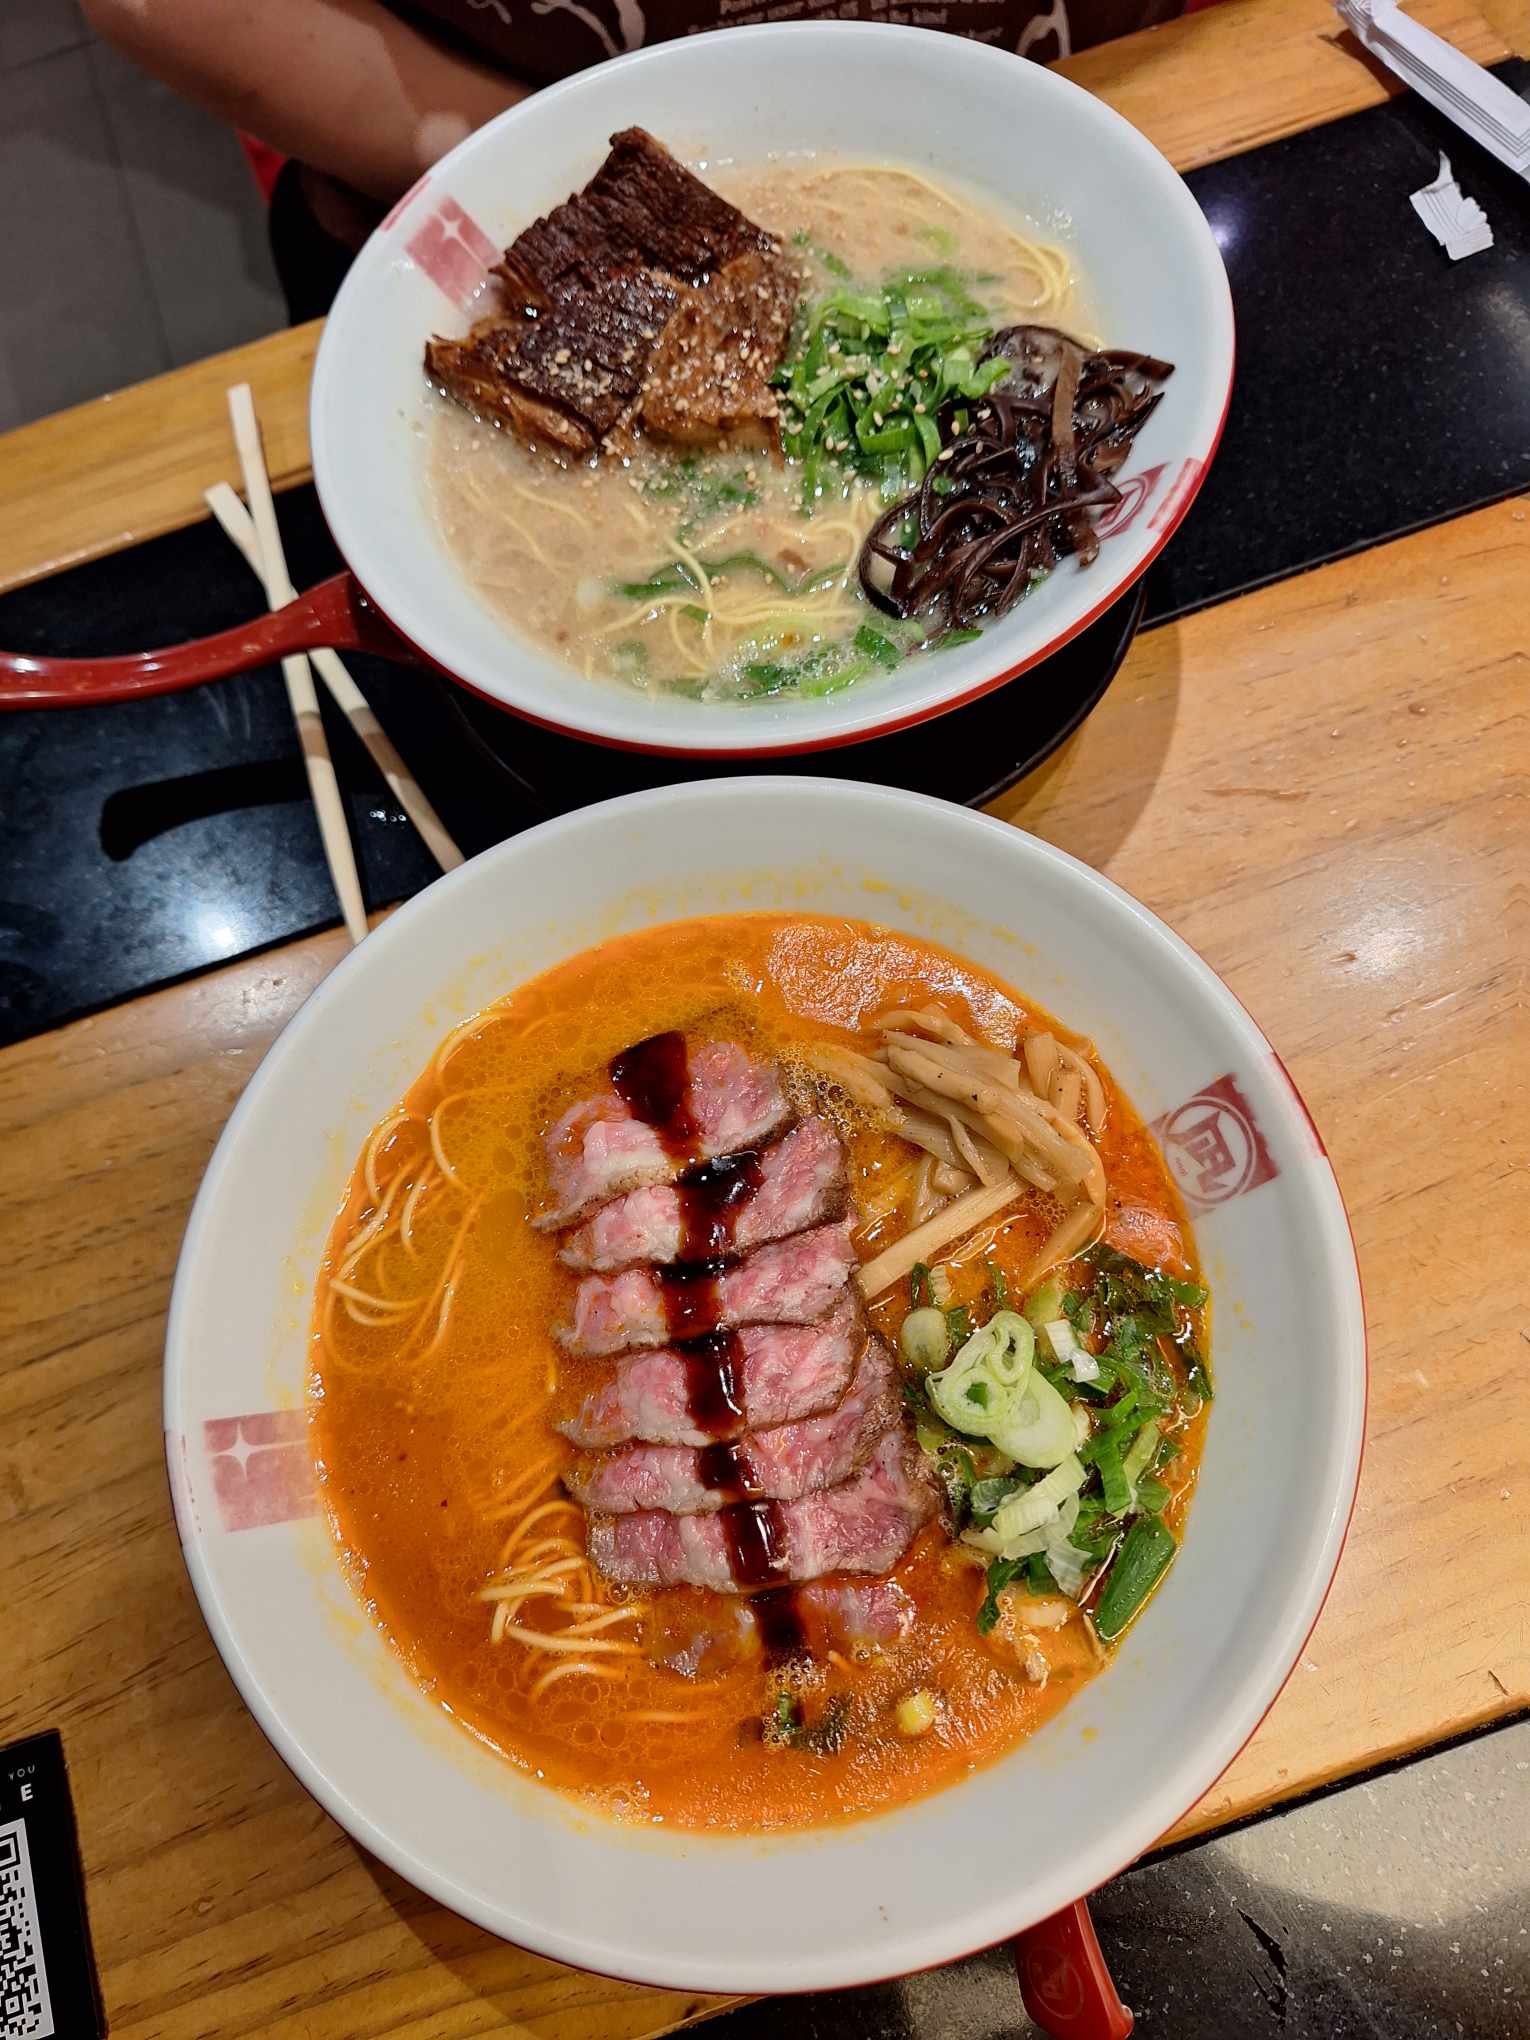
(644, 296)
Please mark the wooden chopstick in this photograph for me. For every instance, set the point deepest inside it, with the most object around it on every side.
(239, 526)
(296, 671)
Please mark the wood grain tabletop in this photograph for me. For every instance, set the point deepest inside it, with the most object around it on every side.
(1322, 786)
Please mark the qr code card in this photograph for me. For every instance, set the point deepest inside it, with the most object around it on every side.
(48, 1985)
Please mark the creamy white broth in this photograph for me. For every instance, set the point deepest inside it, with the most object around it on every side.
(608, 563)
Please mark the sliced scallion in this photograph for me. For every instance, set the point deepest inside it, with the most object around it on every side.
(1145, 1556)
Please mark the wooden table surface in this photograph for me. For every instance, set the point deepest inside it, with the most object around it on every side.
(1321, 785)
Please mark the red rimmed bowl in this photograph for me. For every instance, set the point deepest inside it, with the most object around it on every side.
(1044, 153)
(1012, 1844)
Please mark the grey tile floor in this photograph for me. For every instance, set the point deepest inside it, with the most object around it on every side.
(133, 229)
(1396, 1910)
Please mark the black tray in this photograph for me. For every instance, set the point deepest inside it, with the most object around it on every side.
(970, 755)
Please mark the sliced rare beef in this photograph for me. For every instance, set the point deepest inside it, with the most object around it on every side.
(730, 1205)
(726, 1100)
(691, 1633)
(791, 1282)
(645, 293)
(780, 1464)
(865, 1525)
(760, 1375)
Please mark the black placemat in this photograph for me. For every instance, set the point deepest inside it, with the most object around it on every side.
(149, 839)
(1380, 387)
(971, 755)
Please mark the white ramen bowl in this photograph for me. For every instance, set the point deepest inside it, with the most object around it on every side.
(1046, 154)
(1126, 1757)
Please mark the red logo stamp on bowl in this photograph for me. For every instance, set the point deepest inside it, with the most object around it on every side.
(1213, 1146)
(453, 250)
(261, 1467)
(1135, 491)
(1179, 493)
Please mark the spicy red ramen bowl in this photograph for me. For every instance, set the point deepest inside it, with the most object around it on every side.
(928, 193)
(591, 1878)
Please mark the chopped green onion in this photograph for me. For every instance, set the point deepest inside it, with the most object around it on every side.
(1000, 1573)
(919, 1290)
(960, 1323)
(924, 1338)
(664, 582)
(958, 1476)
(1063, 1340)
(876, 646)
(1144, 1558)
(1037, 1430)
(1031, 1510)
(1039, 1577)
(1140, 1457)
(998, 1287)
(989, 1496)
(1046, 1304)
(999, 1357)
(1113, 1481)
(870, 371)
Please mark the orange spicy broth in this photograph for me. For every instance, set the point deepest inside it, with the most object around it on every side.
(412, 1452)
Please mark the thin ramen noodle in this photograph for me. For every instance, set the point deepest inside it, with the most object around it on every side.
(715, 572)
(438, 1382)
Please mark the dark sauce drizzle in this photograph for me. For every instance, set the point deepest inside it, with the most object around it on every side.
(652, 1079)
(713, 1197)
(726, 1469)
(692, 1296)
(714, 1393)
(755, 1534)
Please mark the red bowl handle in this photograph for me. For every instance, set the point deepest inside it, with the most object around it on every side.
(1064, 1981)
(336, 614)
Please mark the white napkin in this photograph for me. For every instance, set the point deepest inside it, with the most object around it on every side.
(1458, 223)
(1473, 98)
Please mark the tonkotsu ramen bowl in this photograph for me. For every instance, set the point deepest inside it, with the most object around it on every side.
(1038, 150)
(1013, 1843)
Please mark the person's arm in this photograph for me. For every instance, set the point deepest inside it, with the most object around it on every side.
(342, 85)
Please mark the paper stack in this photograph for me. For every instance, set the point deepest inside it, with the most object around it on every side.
(1458, 223)
(1473, 98)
